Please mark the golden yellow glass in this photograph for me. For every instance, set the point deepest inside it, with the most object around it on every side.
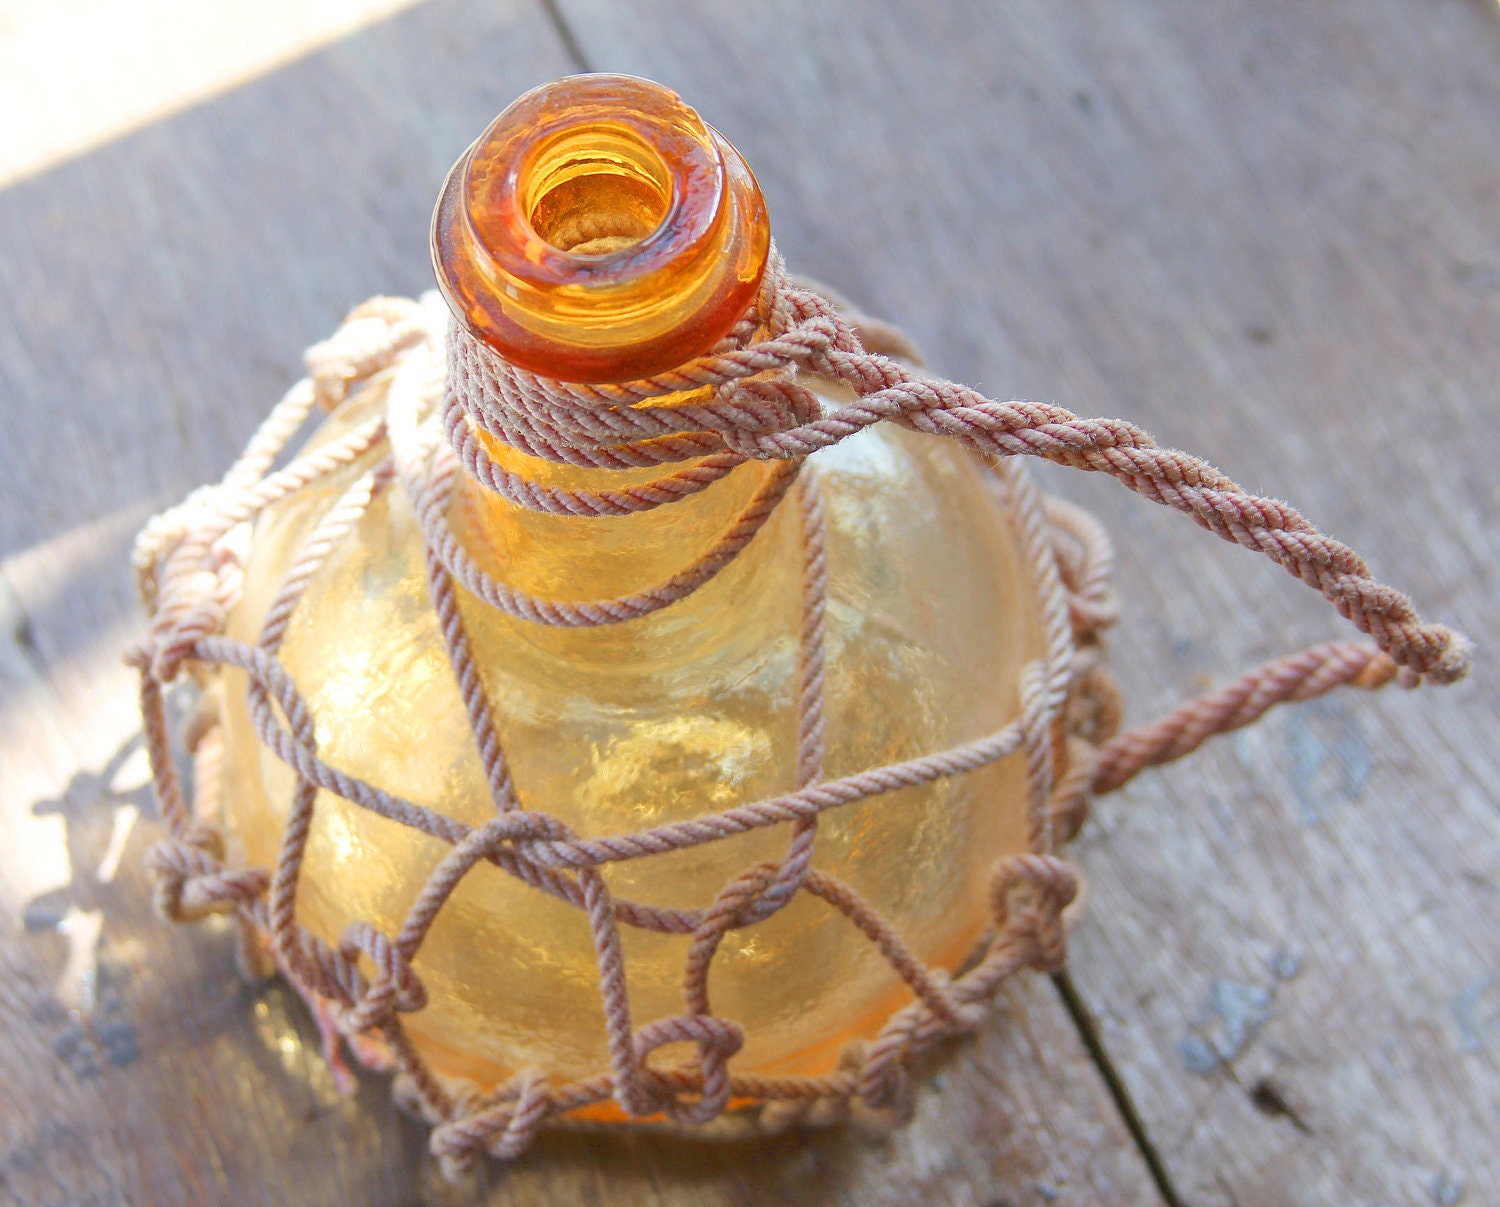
(600, 231)
(683, 712)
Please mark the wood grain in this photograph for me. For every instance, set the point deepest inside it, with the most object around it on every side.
(154, 296)
(1271, 233)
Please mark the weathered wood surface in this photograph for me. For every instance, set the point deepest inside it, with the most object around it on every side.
(157, 295)
(1269, 231)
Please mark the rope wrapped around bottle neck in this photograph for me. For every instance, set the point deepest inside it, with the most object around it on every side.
(702, 413)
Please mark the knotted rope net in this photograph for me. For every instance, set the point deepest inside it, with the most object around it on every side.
(751, 401)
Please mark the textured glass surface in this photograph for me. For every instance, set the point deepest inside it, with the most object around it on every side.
(680, 713)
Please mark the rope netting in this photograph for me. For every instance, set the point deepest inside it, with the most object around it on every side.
(747, 399)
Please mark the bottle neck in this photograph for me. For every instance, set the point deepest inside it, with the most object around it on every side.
(576, 557)
(598, 232)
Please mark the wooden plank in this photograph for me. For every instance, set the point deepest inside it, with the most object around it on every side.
(189, 51)
(154, 295)
(157, 293)
(1269, 232)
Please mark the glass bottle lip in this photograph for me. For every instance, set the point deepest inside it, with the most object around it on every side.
(630, 305)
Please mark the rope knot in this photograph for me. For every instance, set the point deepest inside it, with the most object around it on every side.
(502, 1125)
(717, 1040)
(395, 987)
(528, 835)
(885, 1081)
(191, 882)
(1085, 562)
(777, 404)
(1028, 894)
(193, 612)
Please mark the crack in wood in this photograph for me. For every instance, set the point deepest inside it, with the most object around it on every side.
(1267, 1098)
(571, 46)
(1093, 1042)
(16, 625)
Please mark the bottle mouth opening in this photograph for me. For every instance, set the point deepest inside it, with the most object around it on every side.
(600, 231)
(597, 192)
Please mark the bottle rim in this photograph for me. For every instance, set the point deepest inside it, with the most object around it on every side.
(682, 236)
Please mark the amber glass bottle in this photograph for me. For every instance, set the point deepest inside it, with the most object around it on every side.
(599, 231)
